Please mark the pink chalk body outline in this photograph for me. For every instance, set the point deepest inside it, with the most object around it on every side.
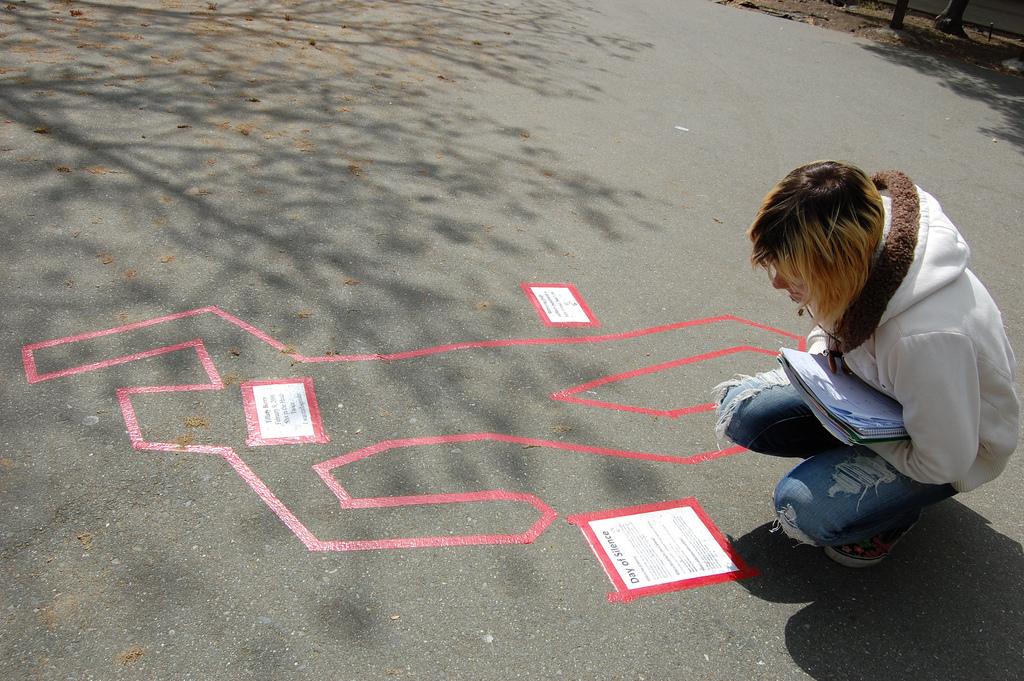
(542, 313)
(324, 469)
(252, 418)
(623, 593)
(568, 395)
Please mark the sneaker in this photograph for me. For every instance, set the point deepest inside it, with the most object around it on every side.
(868, 552)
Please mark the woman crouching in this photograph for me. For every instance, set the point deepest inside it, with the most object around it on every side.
(887, 283)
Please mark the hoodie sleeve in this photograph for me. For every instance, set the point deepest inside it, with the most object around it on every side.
(935, 378)
(817, 341)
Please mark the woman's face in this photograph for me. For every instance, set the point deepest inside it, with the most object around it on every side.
(797, 290)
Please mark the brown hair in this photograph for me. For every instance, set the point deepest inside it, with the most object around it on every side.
(820, 226)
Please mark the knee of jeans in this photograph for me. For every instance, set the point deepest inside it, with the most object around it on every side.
(799, 517)
(738, 432)
(732, 396)
(739, 422)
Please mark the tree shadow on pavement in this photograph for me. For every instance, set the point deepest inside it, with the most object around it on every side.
(325, 171)
(1004, 94)
(290, 145)
(947, 604)
(337, 174)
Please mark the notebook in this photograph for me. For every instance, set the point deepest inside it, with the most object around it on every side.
(849, 408)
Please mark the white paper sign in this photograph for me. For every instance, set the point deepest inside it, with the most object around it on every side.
(282, 410)
(560, 305)
(658, 547)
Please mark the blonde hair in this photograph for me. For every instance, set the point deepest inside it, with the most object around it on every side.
(820, 226)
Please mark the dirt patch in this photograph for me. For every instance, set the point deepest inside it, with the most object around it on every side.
(130, 656)
(871, 20)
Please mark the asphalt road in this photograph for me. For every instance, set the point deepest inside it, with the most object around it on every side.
(346, 181)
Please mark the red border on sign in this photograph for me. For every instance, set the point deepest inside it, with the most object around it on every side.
(623, 593)
(528, 289)
(252, 419)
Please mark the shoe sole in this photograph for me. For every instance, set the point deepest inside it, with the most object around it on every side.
(851, 562)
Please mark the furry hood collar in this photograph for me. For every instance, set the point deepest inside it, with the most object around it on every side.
(889, 267)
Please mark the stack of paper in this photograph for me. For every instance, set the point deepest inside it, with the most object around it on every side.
(848, 407)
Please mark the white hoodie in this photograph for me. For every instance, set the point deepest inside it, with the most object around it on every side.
(941, 351)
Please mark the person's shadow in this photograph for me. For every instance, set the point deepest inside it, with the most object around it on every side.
(947, 604)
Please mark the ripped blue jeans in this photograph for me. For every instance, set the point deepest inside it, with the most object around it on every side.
(839, 494)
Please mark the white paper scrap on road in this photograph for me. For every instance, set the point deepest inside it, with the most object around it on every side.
(659, 547)
(283, 411)
(560, 305)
